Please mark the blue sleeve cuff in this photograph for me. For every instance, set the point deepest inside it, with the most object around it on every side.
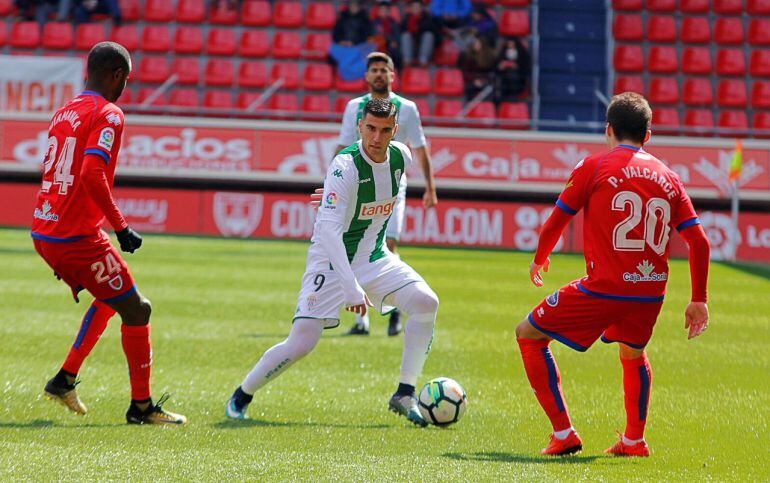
(688, 223)
(99, 152)
(564, 207)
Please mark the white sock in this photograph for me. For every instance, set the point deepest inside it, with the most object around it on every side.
(421, 303)
(303, 337)
(631, 442)
(363, 321)
(563, 433)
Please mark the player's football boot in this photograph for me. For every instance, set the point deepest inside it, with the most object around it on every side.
(621, 449)
(154, 414)
(572, 444)
(66, 395)
(358, 329)
(237, 405)
(394, 324)
(406, 406)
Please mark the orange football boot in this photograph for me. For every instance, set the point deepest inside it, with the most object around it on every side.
(572, 444)
(621, 449)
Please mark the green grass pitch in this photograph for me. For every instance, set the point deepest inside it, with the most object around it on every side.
(218, 304)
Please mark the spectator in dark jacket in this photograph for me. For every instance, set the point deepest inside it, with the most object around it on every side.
(451, 14)
(512, 69)
(418, 28)
(41, 9)
(353, 26)
(477, 64)
(85, 8)
(387, 32)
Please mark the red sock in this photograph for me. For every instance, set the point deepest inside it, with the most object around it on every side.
(94, 322)
(545, 379)
(138, 350)
(637, 385)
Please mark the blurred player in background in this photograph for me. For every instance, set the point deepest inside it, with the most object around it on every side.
(348, 264)
(631, 201)
(74, 200)
(379, 75)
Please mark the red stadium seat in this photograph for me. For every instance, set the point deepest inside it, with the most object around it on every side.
(185, 98)
(728, 31)
(761, 121)
(188, 40)
(760, 94)
(187, 69)
(664, 90)
(449, 82)
(158, 10)
(156, 38)
(416, 80)
(665, 119)
(696, 30)
(629, 84)
(483, 111)
(25, 35)
(256, 13)
(130, 10)
(760, 63)
(759, 32)
(515, 23)
(219, 72)
(694, 6)
(221, 41)
(728, 6)
(703, 118)
(698, 92)
(759, 7)
(3, 33)
(696, 60)
(127, 97)
(447, 53)
(320, 16)
(89, 34)
(252, 74)
(633, 5)
(665, 6)
(287, 14)
(246, 99)
(58, 36)
(153, 69)
(731, 62)
(734, 120)
(282, 101)
(516, 113)
(144, 95)
(661, 28)
(6, 6)
(287, 45)
(317, 46)
(628, 58)
(628, 27)
(223, 15)
(349, 86)
(340, 104)
(318, 77)
(732, 93)
(127, 36)
(662, 59)
(255, 43)
(288, 71)
(423, 106)
(218, 99)
(510, 3)
(190, 11)
(317, 103)
(448, 110)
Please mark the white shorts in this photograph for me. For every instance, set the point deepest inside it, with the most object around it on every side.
(396, 221)
(321, 295)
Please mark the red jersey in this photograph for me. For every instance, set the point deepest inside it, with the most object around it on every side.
(631, 202)
(88, 124)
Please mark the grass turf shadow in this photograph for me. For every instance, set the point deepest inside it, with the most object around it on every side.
(262, 423)
(47, 423)
(498, 457)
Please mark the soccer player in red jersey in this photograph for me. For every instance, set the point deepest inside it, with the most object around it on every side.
(631, 201)
(74, 200)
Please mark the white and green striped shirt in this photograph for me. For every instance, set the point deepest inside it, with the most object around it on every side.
(409, 124)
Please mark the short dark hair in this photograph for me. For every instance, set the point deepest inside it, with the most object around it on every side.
(381, 108)
(630, 116)
(380, 57)
(107, 57)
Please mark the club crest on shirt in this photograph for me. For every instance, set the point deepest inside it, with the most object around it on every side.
(553, 299)
(113, 118)
(311, 301)
(106, 138)
(397, 173)
(116, 282)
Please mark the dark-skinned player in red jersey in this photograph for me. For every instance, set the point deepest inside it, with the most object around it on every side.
(74, 200)
(631, 201)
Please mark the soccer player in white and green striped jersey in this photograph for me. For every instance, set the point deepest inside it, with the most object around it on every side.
(380, 73)
(349, 264)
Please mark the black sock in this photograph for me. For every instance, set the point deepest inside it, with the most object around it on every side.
(143, 401)
(63, 378)
(405, 390)
(242, 397)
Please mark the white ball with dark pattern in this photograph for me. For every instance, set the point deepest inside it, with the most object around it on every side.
(442, 401)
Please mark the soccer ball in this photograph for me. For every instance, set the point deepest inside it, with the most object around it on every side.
(442, 401)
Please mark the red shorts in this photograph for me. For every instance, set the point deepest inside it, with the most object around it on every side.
(576, 319)
(91, 263)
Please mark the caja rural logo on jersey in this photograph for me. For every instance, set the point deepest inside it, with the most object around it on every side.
(646, 274)
(45, 213)
(376, 209)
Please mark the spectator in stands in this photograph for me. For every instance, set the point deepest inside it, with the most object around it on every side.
(477, 63)
(451, 14)
(85, 8)
(418, 28)
(350, 46)
(483, 25)
(40, 10)
(512, 70)
(387, 32)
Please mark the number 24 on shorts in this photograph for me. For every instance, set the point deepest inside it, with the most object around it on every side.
(108, 271)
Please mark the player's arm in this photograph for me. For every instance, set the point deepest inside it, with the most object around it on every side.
(348, 130)
(416, 138)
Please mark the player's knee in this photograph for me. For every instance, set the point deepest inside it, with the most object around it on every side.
(525, 331)
(425, 301)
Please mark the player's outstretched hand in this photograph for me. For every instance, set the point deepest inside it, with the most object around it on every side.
(696, 318)
(130, 241)
(361, 309)
(534, 272)
(429, 199)
(316, 197)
